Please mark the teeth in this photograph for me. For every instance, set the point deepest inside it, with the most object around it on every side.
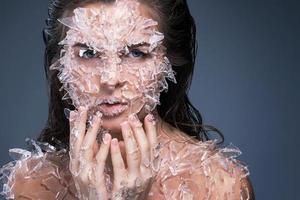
(112, 101)
(109, 101)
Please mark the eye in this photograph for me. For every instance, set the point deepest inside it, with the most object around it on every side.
(87, 53)
(135, 53)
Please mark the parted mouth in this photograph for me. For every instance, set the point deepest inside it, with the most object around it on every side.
(111, 101)
(111, 107)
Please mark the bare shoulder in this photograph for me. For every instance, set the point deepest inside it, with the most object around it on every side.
(39, 177)
(247, 189)
(232, 180)
(204, 171)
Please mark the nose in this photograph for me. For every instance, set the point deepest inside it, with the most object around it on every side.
(110, 80)
(110, 77)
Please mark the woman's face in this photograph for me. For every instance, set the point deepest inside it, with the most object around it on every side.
(113, 61)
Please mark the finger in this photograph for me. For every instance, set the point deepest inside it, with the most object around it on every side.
(123, 152)
(103, 152)
(79, 129)
(95, 146)
(90, 139)
(117, 162)
(132, 151)
(85, 174)
(142, 141)
(150, 128)
(101, 157)
(73, 135)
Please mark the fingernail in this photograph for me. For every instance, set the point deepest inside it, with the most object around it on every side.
(135, 120)
(94, 120)
(81, 111)
(151, 118)
(75, 132)
(106, 138)
(72, 115)
(80, 108)
(133, 117)
(114, 141)
(99, 114)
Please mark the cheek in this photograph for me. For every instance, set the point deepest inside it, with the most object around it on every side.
(84, 82)
(139, 74)
(140, 81)
(151, 78)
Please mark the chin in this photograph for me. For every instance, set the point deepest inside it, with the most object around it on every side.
(113, 125)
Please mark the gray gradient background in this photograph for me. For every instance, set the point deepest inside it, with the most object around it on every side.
(246, 81)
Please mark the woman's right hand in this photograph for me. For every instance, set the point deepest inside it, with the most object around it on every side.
(87, 159)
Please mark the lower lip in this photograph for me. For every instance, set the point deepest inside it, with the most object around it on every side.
(112, 110)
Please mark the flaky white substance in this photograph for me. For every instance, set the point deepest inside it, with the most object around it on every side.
(188, 170)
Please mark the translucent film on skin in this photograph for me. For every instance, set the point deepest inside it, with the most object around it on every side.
(114, 54)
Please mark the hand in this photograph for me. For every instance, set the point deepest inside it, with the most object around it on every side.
(135, 181)
(87, 159)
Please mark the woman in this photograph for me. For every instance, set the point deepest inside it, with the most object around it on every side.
(120, 123)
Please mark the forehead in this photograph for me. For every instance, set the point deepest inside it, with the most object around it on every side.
(121, 6)
(109, 25)
(117, 15)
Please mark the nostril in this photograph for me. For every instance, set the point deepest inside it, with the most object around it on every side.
(110, 87)
(112, 82)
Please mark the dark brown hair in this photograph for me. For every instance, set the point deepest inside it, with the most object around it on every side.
(179, 29)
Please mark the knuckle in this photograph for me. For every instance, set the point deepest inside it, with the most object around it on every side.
(74, 132)
(146, 163)
(100, 158)
(117, 185)
(119, 165)
(82, 178)
(145, 147)
(129, 135)
(115, 152)
(134, 155)
(72, 167)
(148, 175)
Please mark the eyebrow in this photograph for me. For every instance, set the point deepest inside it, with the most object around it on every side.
(138, 45)
(81, 45)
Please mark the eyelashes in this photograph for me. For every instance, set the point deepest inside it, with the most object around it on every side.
(135, 53)
(91, 53)
(88, 53)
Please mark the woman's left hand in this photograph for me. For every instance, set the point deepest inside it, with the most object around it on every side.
(134, 181)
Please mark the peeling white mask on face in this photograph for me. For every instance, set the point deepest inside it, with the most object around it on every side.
(113, 60)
